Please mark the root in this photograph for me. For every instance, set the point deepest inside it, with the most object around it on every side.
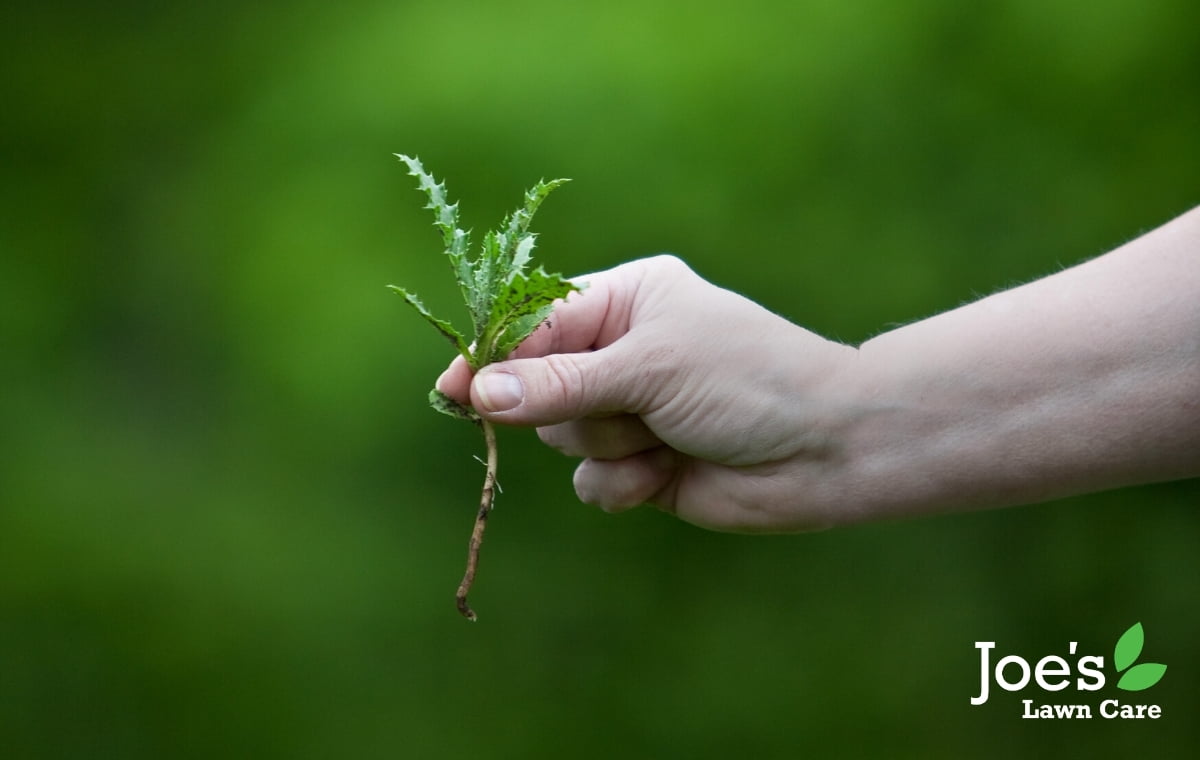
(485, 507)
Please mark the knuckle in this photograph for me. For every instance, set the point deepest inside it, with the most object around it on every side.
(564, 384)
(666, 260)
(668, 265)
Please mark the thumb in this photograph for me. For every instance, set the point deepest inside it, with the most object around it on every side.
(551, 389)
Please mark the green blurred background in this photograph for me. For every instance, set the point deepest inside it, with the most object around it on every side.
(230, 526)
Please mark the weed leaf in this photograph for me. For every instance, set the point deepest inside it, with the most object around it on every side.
(446, 405)
(520, 329)
(506, 304)
(522, 254)
(445, 213)
(457, 241)
(518, 222)
(527, 294)
(445, 328)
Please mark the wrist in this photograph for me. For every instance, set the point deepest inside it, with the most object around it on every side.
(882, 445)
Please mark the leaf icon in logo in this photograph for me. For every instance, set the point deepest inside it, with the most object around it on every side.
(1128, 648)
(1142, 676)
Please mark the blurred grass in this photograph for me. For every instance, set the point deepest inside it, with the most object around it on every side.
(229, 524)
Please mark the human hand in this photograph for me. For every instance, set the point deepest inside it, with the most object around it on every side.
(679, 394)
(694, 399)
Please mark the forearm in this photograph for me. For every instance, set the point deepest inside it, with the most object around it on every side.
(694, 399)
(1084, 380)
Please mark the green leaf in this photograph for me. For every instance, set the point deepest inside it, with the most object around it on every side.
(446, 405)
(1142, 676)
(445, 213)
(506, 304)
(445, 328)
(520, 329)
(457, 241)
(527, 315)
(1129, 647)
(518, 241)
(489, 272)
(521, 254)
(518, 222)
(527, 294)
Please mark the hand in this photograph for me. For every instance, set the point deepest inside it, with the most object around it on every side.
(692, 398)
(676, 393)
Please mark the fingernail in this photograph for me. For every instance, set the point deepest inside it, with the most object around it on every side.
(499, 391)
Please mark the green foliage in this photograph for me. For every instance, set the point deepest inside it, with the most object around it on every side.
(506, 303)
(448, 406)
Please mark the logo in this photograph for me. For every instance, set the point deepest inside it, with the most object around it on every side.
(1055, 674)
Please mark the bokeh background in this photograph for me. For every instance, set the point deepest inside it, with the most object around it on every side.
(230, 526)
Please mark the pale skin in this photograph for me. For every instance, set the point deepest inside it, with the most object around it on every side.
(691, 398)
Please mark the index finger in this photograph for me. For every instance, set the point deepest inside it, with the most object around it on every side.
(576, 324)
(590, 319)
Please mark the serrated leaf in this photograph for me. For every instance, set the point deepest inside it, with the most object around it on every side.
(505, 303)
(521, 255)
(527, 294)
(519, 242)
(460, 262)
(446, 405)
(520, 329)
(445, 213)
(518, 222)
(1142, 676)
(445, 328)
(489, 271)
(1129, 647)
(456, 241)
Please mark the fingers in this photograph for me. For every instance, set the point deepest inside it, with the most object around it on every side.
(592, 318)
(578, 321)
(605, 309)
(577, 324)
(601, 438)
(619, 484)
(455, 382)
(585, 321)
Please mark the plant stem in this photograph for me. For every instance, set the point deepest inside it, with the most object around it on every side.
(485, 506)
